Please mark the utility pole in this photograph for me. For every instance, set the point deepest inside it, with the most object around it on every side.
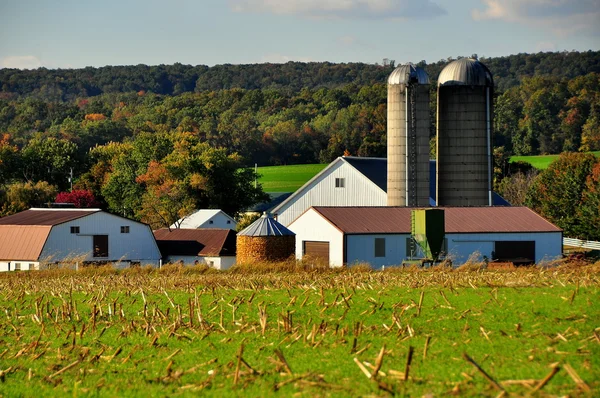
(71, 178)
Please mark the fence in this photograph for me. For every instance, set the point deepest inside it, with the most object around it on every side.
(585, 244)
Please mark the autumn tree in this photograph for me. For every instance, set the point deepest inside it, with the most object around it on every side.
(21, 196)
(80, 198)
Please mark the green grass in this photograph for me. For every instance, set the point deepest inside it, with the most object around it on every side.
(540, 162)
(142, 342)
(287, 178)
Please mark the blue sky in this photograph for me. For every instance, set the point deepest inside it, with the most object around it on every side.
(79, 33)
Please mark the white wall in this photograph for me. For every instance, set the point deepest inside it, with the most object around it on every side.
(200, 220)
(313, 227)
(138, 245)
(548, 245)
(25, 265)
(361, 248)
(220, 263)
(358, 191)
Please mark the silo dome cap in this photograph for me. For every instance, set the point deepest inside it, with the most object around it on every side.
(466, 72)
(266, 226)
(407, 72)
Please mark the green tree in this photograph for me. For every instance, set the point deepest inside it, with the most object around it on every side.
(21, 196)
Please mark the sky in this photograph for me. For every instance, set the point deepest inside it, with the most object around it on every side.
(80, 33)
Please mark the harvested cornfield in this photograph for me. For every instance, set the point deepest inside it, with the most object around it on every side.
(252, 249)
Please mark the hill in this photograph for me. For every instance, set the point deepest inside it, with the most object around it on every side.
(68, 84)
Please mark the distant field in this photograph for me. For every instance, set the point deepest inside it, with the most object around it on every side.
(287, 178)
(540, 162)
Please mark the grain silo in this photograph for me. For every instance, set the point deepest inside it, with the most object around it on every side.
(265, 240)
(464, 134)
(408, 137)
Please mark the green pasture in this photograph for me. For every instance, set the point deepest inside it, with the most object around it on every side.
(183, 334)
(287, 178)
(540, 162)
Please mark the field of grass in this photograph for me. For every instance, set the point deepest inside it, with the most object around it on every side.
(184, 332)
(540, 162)
(287, 178)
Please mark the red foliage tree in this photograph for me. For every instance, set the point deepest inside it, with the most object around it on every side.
(81, 198)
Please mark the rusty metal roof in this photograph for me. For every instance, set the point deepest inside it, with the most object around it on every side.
(408, 72)
(466, 72)
(22, 242)
(196, 242)
(396, 220)
(46, 216)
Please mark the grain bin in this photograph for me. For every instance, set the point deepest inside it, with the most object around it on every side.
(265, 240)
(464, 134)
(408, 137)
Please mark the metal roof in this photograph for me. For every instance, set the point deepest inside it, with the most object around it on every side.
(375, 169)
(23, 242)
(396, 220)
(403, 74)
(266, 225)
(196, 242)
(275, 198)
(46, 216)
(466, 72)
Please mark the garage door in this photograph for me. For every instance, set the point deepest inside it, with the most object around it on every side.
(316, 250)
(519, 252)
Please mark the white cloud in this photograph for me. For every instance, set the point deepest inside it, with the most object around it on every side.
(282, 59)
(363, 9)
(563, 17)
(20, 62)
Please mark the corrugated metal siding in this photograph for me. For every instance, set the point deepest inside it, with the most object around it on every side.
(22, 242)
(361, 248)
(137, 245)
(358, 191)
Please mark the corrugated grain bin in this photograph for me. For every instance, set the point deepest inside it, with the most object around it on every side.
(408, 137)
(464, 134)
(265, 240)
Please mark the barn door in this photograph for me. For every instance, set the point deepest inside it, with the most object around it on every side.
(518, 252)
(100, 246)
(318, 250)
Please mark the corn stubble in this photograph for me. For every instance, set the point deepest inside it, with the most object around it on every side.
(300, 328)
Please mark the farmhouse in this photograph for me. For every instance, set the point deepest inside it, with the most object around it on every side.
(40, 236)
(350, 181)
(210, 246)
(381, 236)
(206, 218)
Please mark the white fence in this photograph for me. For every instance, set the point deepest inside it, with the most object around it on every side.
(585, 244)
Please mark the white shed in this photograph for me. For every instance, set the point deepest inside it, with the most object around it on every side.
(41, 236)
(213, 247)
(381, 236)
(206, 218)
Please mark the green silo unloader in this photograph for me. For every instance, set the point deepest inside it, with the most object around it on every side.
(428, 230)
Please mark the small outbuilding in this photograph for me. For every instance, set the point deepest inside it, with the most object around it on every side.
(35, 237)
(206, 218)
(382, 236)
(213, 247)
(265, 240)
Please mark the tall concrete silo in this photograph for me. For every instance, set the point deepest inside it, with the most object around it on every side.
(464, 134)
(408, 137)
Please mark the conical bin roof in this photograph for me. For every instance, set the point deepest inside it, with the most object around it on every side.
(266, 226)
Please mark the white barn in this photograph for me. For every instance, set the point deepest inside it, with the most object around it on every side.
(206, 218)
(381, 236)
(213, 247)
(349, 181)
(43, 236)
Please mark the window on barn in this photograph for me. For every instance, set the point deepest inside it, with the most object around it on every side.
(211, 222)
(74, 230)
(379, 247)
(228, 221)
(100, 246)
(17, 266)
(340, 182)
(125, 229)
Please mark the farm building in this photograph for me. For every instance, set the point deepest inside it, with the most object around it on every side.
(275, 198)
(210, 246)
(349, 181)
(265, 240)
(206, 218)
(381, 236)
(40, 236)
